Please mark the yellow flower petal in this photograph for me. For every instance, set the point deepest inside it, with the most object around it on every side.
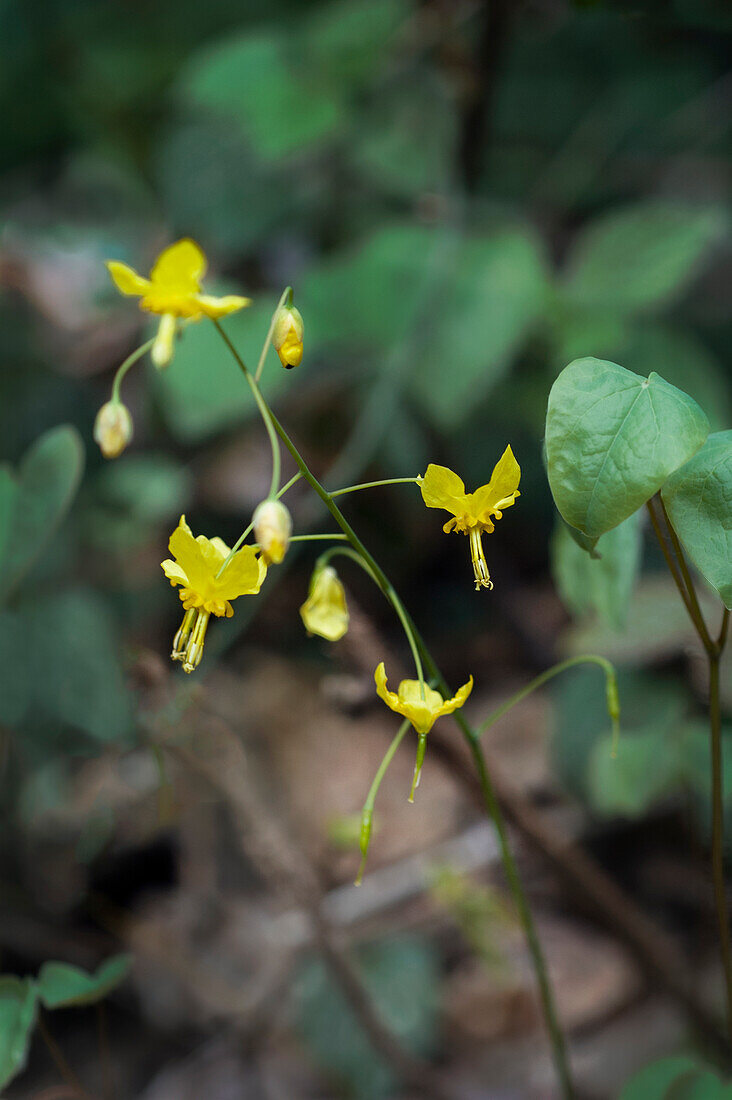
(126, 278)
(389, 697)
(189, 555)
(243, 575)
(220, 307)
(441, 488)
(174, 572)
(325, 611)
(501, 490)
(458, 699)
(182, 266)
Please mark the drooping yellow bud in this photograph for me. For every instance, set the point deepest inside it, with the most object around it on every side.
(287, 336)
(272, 530)
(164, 346)
(325, 611)
(113, 428)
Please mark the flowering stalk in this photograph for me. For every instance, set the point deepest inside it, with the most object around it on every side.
(679, 570)
(472, 737)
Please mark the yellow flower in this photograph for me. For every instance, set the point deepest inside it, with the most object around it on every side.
(113, 428)
(203, 592)
(173, 290)
(408, 701)
(272, 529)
(325, 611)
(287, 336)
(473, 513)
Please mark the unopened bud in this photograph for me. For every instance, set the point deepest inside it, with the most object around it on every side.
(287, 336)
(113, 428)
(325, 611)
(272, 530)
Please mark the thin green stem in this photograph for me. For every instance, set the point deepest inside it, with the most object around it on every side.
(248, 530)
(286, 293)
(368, 806)
(688, 582)
(317, 538)
(491, 803)
(63, 1067)
(586, 658)
(722, 636)
(373, 485)
(556, 1035)
(720, 888)
(129, 362)
(345, 552)
(265, 412)
(672, 567)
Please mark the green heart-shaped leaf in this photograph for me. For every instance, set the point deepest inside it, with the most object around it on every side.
(18, 1003)
(61, 985)
(698, 499)
(612, 439)
(45, 486)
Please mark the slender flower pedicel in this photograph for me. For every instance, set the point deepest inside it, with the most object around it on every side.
(207, 588)
(473, 513)
(173, 290)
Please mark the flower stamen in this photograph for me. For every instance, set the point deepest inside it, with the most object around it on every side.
(480, 566)
(180, 641)
(194, 650)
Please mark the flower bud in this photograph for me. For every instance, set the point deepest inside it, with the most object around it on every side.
(272, 530)
(325, 611)
(287, 335)
(113, 428)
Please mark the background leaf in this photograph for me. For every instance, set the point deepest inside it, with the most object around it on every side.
(612, 439)
(61, 985)
(47, 480)
(18, 1005)
(601, 584)
(640, 256)
(698, 498)
(401, 975)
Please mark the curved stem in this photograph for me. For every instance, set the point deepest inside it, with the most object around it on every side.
(491, 803)
(264, 410)
(549, 674)
(373, 485)
(248, 530)
(672, 567)
(286, 293)
(129, 362)
(368, 806)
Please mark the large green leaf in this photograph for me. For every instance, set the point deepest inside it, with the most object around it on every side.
(495, 295)
(698, 498)
(348, 40)
(259, 80)
(640, 256)
(601, 584)
(61, 985)
(612, 439)
(46, 484)
(18, 1004)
